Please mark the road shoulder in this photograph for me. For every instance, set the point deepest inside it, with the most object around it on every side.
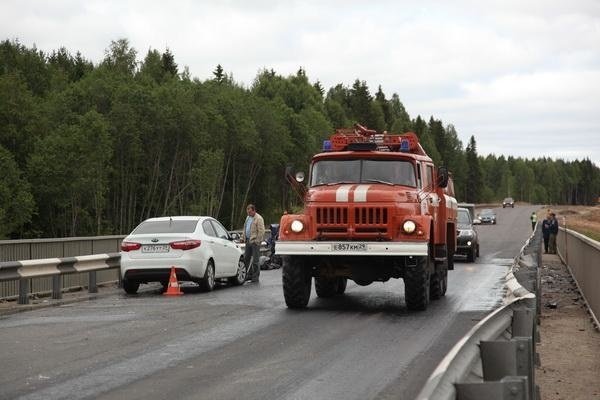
(570, 345)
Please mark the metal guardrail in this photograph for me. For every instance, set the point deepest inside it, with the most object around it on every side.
(30, 249)
(60, 265)
(496, 358)
(22, 271)
(581, 255)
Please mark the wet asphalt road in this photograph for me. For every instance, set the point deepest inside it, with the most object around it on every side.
(243, 343)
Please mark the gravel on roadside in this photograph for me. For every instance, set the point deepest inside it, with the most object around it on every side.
(570, 345)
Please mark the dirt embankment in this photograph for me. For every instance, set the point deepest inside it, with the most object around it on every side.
(570, 346)
(583, 219)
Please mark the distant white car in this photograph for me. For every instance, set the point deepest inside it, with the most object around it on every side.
(200, 249)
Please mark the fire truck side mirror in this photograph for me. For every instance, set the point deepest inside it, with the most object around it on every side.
(442, 177)
(300, 177)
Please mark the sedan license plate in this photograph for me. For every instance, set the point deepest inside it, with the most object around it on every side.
(155, 248)
(349, 247)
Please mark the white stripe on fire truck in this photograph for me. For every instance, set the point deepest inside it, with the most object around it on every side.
(341, 194)
(360, 193)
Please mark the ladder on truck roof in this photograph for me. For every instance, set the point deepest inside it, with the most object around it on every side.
(342, 140)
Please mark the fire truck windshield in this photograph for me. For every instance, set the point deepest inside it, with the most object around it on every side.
(391, 172)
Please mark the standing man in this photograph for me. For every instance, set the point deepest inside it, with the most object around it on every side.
(533, 220)
(254, 230)
(546, 231)
(553, 233)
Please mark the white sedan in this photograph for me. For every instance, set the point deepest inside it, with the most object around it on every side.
(200, 249)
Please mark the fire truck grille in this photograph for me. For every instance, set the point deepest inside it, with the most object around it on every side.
(371, 216)
(365, 220)
(331, 216)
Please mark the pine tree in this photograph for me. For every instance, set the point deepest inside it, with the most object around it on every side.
(474, 181)
(218, 73)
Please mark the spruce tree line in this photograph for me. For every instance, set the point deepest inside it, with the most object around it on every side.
(94, 149)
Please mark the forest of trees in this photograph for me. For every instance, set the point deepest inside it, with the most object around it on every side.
(94, 149)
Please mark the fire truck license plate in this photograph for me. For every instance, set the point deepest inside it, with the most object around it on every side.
(349, 247)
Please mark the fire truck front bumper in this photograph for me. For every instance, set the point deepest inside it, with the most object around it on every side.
(351, 248)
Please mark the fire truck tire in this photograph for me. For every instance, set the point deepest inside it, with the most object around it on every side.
(326, 287)
(439, 283)
(296, 282)
(341, 288)
(472, 255)
(416, 285)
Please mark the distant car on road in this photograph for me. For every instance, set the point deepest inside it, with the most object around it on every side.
(200, 249)
(488, 216)
(508, 202)
(467, 242)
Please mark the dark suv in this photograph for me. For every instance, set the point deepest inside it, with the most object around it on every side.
(467, 241)
(508, 202)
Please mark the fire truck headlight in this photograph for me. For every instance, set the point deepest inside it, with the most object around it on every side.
(297, 226)
(409, 226)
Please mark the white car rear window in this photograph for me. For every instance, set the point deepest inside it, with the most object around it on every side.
(172, 226)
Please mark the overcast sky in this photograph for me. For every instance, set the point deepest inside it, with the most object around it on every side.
(523, 77)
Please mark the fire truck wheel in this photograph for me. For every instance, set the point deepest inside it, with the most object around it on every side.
(438, 284)
(342, 282)
(326, 287)
(416, 285)
(296, 282)
(472, 254)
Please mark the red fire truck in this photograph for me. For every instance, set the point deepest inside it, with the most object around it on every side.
(375, 208)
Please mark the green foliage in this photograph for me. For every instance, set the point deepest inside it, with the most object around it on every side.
(16, 201)
(94, 149)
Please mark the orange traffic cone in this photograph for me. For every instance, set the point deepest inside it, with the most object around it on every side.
(173, 288)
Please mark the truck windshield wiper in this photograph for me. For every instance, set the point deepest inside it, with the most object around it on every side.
(338, 183)
(332, 183)
(379, 181)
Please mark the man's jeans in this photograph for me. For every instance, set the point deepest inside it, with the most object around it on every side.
(251, 252)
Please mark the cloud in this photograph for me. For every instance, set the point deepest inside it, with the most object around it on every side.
(490, 68)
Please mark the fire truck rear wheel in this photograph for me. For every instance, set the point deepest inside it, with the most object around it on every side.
(326, 287)
(296, 280)
(342, 282)
(416, 285)
(439, 283)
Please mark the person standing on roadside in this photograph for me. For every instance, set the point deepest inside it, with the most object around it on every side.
(546, 231)
(254, 230)
(553, 233)
(533, 220)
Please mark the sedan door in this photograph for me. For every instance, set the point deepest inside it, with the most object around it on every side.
(216, 249)
(231, 251)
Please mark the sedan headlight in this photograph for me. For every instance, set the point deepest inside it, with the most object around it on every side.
(409, 226)
(297, 226)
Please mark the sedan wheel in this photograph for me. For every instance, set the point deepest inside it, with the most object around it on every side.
(240, 278)
(208, 282)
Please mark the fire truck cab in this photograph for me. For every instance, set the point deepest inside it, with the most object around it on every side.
(375, 208)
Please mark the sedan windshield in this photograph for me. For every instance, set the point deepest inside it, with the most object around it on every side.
(463, 217)
(391, 172)
(487, 212)
(167, 226)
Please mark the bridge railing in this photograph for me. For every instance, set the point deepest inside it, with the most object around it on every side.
(496, 358)
(53, 266)
(36, 249)
(581, 255)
